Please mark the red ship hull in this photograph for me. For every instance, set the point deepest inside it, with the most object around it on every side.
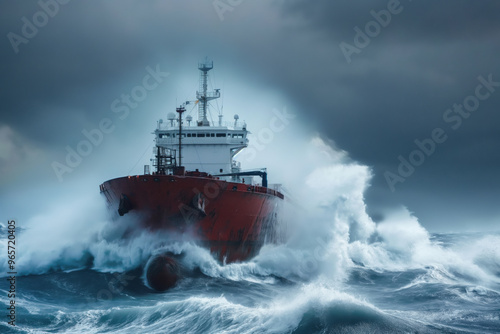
(231, 219)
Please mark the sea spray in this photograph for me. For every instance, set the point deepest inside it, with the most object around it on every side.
(400, 243)
(330, 232)
(59, 237)
(339, 271)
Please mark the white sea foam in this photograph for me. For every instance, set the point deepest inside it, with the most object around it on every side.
(280, 313)
(329, 227)
(331, 233)
(402, 244)
(58, 238)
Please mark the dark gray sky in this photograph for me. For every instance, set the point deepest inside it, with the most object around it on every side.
(391, 87)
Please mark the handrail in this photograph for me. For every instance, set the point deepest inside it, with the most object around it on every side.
(214, 125)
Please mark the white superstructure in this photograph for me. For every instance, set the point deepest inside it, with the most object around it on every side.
(205, 147)
(209, 149)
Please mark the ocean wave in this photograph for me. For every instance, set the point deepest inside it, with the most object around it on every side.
(290, 311)
(330, 233)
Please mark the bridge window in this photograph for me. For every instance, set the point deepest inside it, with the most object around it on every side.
(201, 135)
(220, 135)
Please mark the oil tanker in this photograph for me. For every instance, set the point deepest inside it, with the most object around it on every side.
(197, 191)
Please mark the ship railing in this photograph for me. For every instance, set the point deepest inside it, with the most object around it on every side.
(192, 125)
(210, 95)
(269, 191)
(257, 189)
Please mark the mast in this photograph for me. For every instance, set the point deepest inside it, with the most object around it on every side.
(158, 161)
(180, 110)
(202, 95)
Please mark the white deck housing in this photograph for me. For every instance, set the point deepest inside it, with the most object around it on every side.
(204, 146)
(209, 149)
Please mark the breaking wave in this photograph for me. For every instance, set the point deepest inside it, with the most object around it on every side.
(330, 233)
(337, 258)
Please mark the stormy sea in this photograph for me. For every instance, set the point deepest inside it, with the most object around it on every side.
(339, 272)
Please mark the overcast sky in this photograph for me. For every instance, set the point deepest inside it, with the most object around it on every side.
(373, 76)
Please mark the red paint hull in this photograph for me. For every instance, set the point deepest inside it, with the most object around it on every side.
(232, 219)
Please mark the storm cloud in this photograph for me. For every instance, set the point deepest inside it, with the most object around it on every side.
(62, 71)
